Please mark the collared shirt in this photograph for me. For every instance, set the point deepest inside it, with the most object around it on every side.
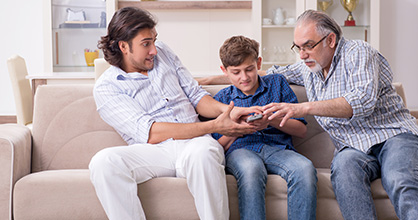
(363, 77)
(132, 102)
(272, 88)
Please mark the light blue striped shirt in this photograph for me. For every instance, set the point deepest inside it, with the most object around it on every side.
(363, 77)
(132, 102)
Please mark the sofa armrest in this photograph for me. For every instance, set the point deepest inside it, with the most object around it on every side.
(15, 162)
(414, 112)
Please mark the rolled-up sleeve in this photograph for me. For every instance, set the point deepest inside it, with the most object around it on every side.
(362, 84)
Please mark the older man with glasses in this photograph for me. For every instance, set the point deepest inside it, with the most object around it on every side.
(349, 87)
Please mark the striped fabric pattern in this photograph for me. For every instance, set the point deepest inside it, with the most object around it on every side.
(363, 77)
(132, 102)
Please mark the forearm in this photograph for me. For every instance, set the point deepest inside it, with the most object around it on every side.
(292, 127)
(337, 108)
(226, 141)
(213, 80)
(210, 108)
(161, 131)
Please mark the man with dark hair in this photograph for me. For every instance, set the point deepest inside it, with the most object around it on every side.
(151, 100)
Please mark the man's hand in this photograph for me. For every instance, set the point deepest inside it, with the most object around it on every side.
(284, 110)
(226, 125)
(240, 114)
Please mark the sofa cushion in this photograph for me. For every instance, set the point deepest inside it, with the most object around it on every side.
(69, 194)
(67, 130)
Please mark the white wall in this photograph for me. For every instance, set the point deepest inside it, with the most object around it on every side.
(197, 41)
(21, 33)
(21, 23)
(398, 43)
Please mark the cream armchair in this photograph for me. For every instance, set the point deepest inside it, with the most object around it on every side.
(21, 89)
(100, 65)
(400, 90)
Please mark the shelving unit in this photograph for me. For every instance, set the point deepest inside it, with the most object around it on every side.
(71, 35)
(276, 40)
(186, 5)
(203, 20)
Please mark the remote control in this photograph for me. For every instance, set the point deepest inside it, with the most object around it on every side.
(254, 117)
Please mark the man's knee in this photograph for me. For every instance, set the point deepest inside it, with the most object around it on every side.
(103, 161)
(348, 159)
(353, 165)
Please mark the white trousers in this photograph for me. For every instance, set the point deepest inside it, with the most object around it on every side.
(116, 171)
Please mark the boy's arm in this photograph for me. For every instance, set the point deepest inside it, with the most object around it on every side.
(292, 127)
(226, 141)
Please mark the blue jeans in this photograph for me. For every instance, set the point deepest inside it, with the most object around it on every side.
(250, 170)
(395, 161)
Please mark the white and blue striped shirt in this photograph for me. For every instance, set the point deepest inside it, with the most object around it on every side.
(363, 77)
(132, 102)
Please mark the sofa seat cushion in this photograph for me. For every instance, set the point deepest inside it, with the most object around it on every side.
(56, 194)
(69, 194)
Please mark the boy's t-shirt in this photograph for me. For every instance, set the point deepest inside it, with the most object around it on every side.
(272, 88)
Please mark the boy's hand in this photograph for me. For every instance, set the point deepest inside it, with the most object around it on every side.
(262, 123)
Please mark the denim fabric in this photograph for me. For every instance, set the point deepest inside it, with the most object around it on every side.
(251, 168)
(395, 161)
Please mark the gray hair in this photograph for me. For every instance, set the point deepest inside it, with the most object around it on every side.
(324, 23)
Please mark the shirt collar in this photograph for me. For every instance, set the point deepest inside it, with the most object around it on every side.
(335, 58)
(236, 93)
(337, 53)
(120, 74)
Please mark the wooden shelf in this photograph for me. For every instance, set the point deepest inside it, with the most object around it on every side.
(170, 5)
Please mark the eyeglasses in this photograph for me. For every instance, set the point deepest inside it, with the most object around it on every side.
(295, 48)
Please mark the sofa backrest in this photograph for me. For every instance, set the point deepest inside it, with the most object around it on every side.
(68, 131)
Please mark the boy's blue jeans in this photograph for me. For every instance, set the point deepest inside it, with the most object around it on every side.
(250, 170)
(395, 161)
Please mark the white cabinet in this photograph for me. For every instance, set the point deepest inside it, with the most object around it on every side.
(71, 27)
(276, 39)
(366, 16)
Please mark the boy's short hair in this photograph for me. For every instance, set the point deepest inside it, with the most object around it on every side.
(237, 49)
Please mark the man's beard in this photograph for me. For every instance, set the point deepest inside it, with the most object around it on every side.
(317, 68)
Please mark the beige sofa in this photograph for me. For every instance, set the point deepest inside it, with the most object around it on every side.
(44, 174)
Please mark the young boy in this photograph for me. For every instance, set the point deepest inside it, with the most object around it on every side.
(269, 150)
